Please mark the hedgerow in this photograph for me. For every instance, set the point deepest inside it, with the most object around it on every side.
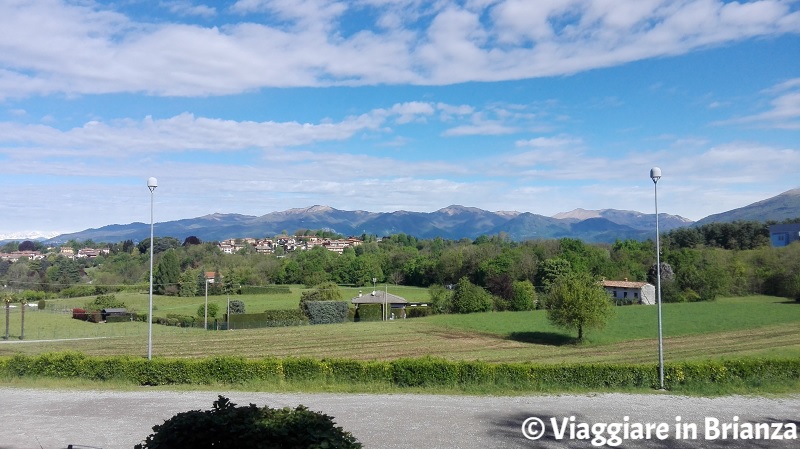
(417, 373)
(270, 318)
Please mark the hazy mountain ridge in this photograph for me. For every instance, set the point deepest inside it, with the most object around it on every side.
(452, 222)
(778, 208)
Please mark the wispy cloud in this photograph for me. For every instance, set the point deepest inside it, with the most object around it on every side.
(783, 111)
(91, 49)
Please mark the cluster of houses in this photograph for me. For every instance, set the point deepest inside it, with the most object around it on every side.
(85, 253)
(288, 244)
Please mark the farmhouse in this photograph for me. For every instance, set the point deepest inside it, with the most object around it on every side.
(627, 292)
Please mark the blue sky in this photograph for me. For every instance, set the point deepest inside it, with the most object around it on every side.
(255, 106)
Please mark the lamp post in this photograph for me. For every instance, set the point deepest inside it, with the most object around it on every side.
(655, 175)
(205, 314)
(152, 183)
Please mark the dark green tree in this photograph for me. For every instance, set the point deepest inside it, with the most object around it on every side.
(470, 298)
(167, 274)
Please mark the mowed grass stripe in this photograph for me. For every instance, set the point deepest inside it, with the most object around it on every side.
(756, 326)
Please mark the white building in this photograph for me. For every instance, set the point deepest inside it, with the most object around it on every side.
(627, 292)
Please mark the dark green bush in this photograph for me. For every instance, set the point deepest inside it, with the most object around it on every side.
(270, 318)
(325, 312)
(183, 320)
(227, 426)
(236, 307)
(368, 312)
(416, 312)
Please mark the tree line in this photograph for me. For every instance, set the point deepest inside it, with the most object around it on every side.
(697, 264)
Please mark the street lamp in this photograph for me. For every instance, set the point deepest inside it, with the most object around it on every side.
(205, 314)
(655, 175)
(152, 183)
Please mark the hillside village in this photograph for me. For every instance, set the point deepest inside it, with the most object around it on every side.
(228, 246)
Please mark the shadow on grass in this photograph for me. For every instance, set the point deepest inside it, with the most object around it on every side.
(543, 338)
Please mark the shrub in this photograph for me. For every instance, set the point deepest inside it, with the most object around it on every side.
(228, 426)
(79, 314)
(325, 312)
(76, 291)
(213, 310)
(368, 312)
(105, 302)
(270, 318)
(415, 312)
(183, 320)
(42, 304)
(327, 291)
(236, 307)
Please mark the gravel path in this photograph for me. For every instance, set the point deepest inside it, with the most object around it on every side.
(46, 419)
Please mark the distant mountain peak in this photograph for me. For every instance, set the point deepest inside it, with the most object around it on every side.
(308, 210)
(793, 192)
(458, 209)
(578, 214)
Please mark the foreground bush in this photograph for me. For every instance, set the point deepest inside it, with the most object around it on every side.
(228, 426)
(414, 373)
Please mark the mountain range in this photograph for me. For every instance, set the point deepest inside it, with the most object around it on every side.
(452, 222)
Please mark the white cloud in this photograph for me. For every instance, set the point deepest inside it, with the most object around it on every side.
(549, 142)
(186, 8)
(91, 49)
(784, 111)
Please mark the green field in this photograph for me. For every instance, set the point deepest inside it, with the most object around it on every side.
(726, 328)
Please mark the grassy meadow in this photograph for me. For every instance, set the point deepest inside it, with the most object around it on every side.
(727, 328)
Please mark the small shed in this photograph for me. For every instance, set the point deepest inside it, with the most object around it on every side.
(388, 302)
(628, 292)
(113, 312)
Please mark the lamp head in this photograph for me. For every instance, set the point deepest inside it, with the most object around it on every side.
(655, 174)
(152, 183)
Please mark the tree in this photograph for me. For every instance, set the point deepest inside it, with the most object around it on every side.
(188, 283)
(577, 301)
(213, 310)
(441, 299)
(191, 240)
(551, 269)
(470, 298)
(523, 296)
(167, 274)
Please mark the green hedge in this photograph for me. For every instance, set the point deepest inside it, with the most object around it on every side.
(325, 312)
(418, 373)
(369, 312)
(270, 318)
(420, 311)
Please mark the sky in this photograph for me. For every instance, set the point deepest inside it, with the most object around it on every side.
(258, 106)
